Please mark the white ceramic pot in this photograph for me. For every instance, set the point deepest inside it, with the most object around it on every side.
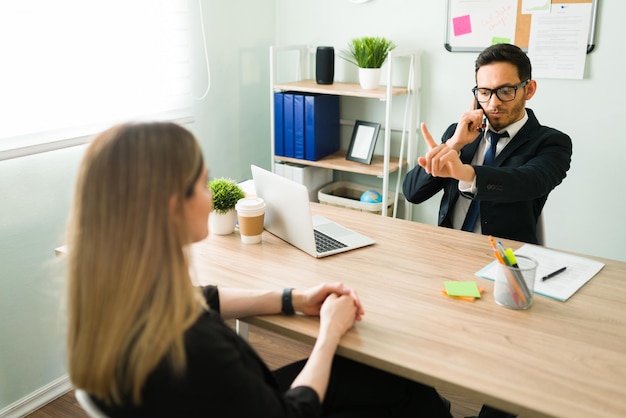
(369, 78)
(222, 224)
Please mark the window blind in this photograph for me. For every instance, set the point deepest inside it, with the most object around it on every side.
(71, 68)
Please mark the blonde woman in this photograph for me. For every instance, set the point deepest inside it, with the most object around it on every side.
(144, 342)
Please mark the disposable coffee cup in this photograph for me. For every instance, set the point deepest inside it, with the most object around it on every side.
(250, 216)
(514, 285)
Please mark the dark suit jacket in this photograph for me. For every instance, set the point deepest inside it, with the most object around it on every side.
(512, 191)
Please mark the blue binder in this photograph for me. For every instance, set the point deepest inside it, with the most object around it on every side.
(279, 125)
(298, 125)
(321, 112)
(289, 140)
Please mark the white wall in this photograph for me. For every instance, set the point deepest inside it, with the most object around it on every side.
(232, 125)
(584, 213)
(34, 192)
(232, 122)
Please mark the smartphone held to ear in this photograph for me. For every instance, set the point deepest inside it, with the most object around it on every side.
(482, 127)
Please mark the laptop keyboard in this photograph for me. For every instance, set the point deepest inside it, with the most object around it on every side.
(324, 243)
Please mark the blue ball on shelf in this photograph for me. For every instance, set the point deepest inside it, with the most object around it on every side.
(371, 196)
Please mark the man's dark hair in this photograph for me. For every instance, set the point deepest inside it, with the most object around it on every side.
(506, 53)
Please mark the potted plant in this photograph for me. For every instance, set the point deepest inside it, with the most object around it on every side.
(369, 54)
(226, 193)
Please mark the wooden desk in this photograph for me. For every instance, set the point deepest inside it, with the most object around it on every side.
(556, 359)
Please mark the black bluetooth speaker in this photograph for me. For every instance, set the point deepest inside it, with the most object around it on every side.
(325, 65)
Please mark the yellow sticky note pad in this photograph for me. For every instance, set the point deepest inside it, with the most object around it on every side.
(462, 289)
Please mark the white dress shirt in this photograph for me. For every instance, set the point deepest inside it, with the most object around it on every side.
(463, 203)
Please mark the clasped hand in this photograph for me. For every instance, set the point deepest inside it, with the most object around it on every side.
(338, 306)
(315, 297)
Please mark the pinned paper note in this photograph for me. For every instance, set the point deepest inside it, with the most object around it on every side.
(462, 25)
(500, 40)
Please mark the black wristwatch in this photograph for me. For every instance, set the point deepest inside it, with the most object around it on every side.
(287, 302)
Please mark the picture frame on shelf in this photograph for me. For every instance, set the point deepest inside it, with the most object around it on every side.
(363, 140)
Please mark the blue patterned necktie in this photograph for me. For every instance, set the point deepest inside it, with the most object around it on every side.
(474, 208)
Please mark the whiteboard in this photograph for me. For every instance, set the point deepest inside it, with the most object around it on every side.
(473, 25)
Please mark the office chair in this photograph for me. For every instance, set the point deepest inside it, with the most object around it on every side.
(88, 405)
(541, 230)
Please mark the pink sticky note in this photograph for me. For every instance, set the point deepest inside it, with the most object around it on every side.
(462, 25)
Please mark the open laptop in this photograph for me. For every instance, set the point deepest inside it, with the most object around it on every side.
(288, 216)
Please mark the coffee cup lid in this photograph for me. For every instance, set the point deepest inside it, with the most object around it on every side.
(250, 203)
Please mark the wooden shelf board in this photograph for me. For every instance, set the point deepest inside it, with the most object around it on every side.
(337, 161)
(340, 89)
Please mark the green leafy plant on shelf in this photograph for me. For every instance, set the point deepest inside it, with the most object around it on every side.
(226, 193)
(368, 51)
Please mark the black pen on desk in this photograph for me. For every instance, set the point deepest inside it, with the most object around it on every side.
(554, 273)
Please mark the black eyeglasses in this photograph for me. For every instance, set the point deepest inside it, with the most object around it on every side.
(505, 93)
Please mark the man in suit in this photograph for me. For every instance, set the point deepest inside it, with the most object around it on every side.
(509, 185)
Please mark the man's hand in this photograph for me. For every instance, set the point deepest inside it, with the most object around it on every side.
(471, 123)
(443, 160)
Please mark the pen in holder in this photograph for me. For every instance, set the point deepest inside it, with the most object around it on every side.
(514, 284)
(515, 279)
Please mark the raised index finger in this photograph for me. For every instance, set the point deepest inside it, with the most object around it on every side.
(427, 136)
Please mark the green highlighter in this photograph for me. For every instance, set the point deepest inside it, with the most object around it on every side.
(511, 257)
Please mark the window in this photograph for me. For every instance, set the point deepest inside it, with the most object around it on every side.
(71, 68)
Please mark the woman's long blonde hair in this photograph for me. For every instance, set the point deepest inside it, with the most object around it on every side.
(130, 296)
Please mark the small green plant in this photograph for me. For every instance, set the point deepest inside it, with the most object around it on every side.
(226, 193)
(368, 51)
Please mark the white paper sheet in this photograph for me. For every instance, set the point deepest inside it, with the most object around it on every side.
(562, 286)
(557, 46)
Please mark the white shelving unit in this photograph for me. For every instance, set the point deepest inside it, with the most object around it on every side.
(382, 165)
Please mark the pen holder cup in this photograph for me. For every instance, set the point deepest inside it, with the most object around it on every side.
(514, 285)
